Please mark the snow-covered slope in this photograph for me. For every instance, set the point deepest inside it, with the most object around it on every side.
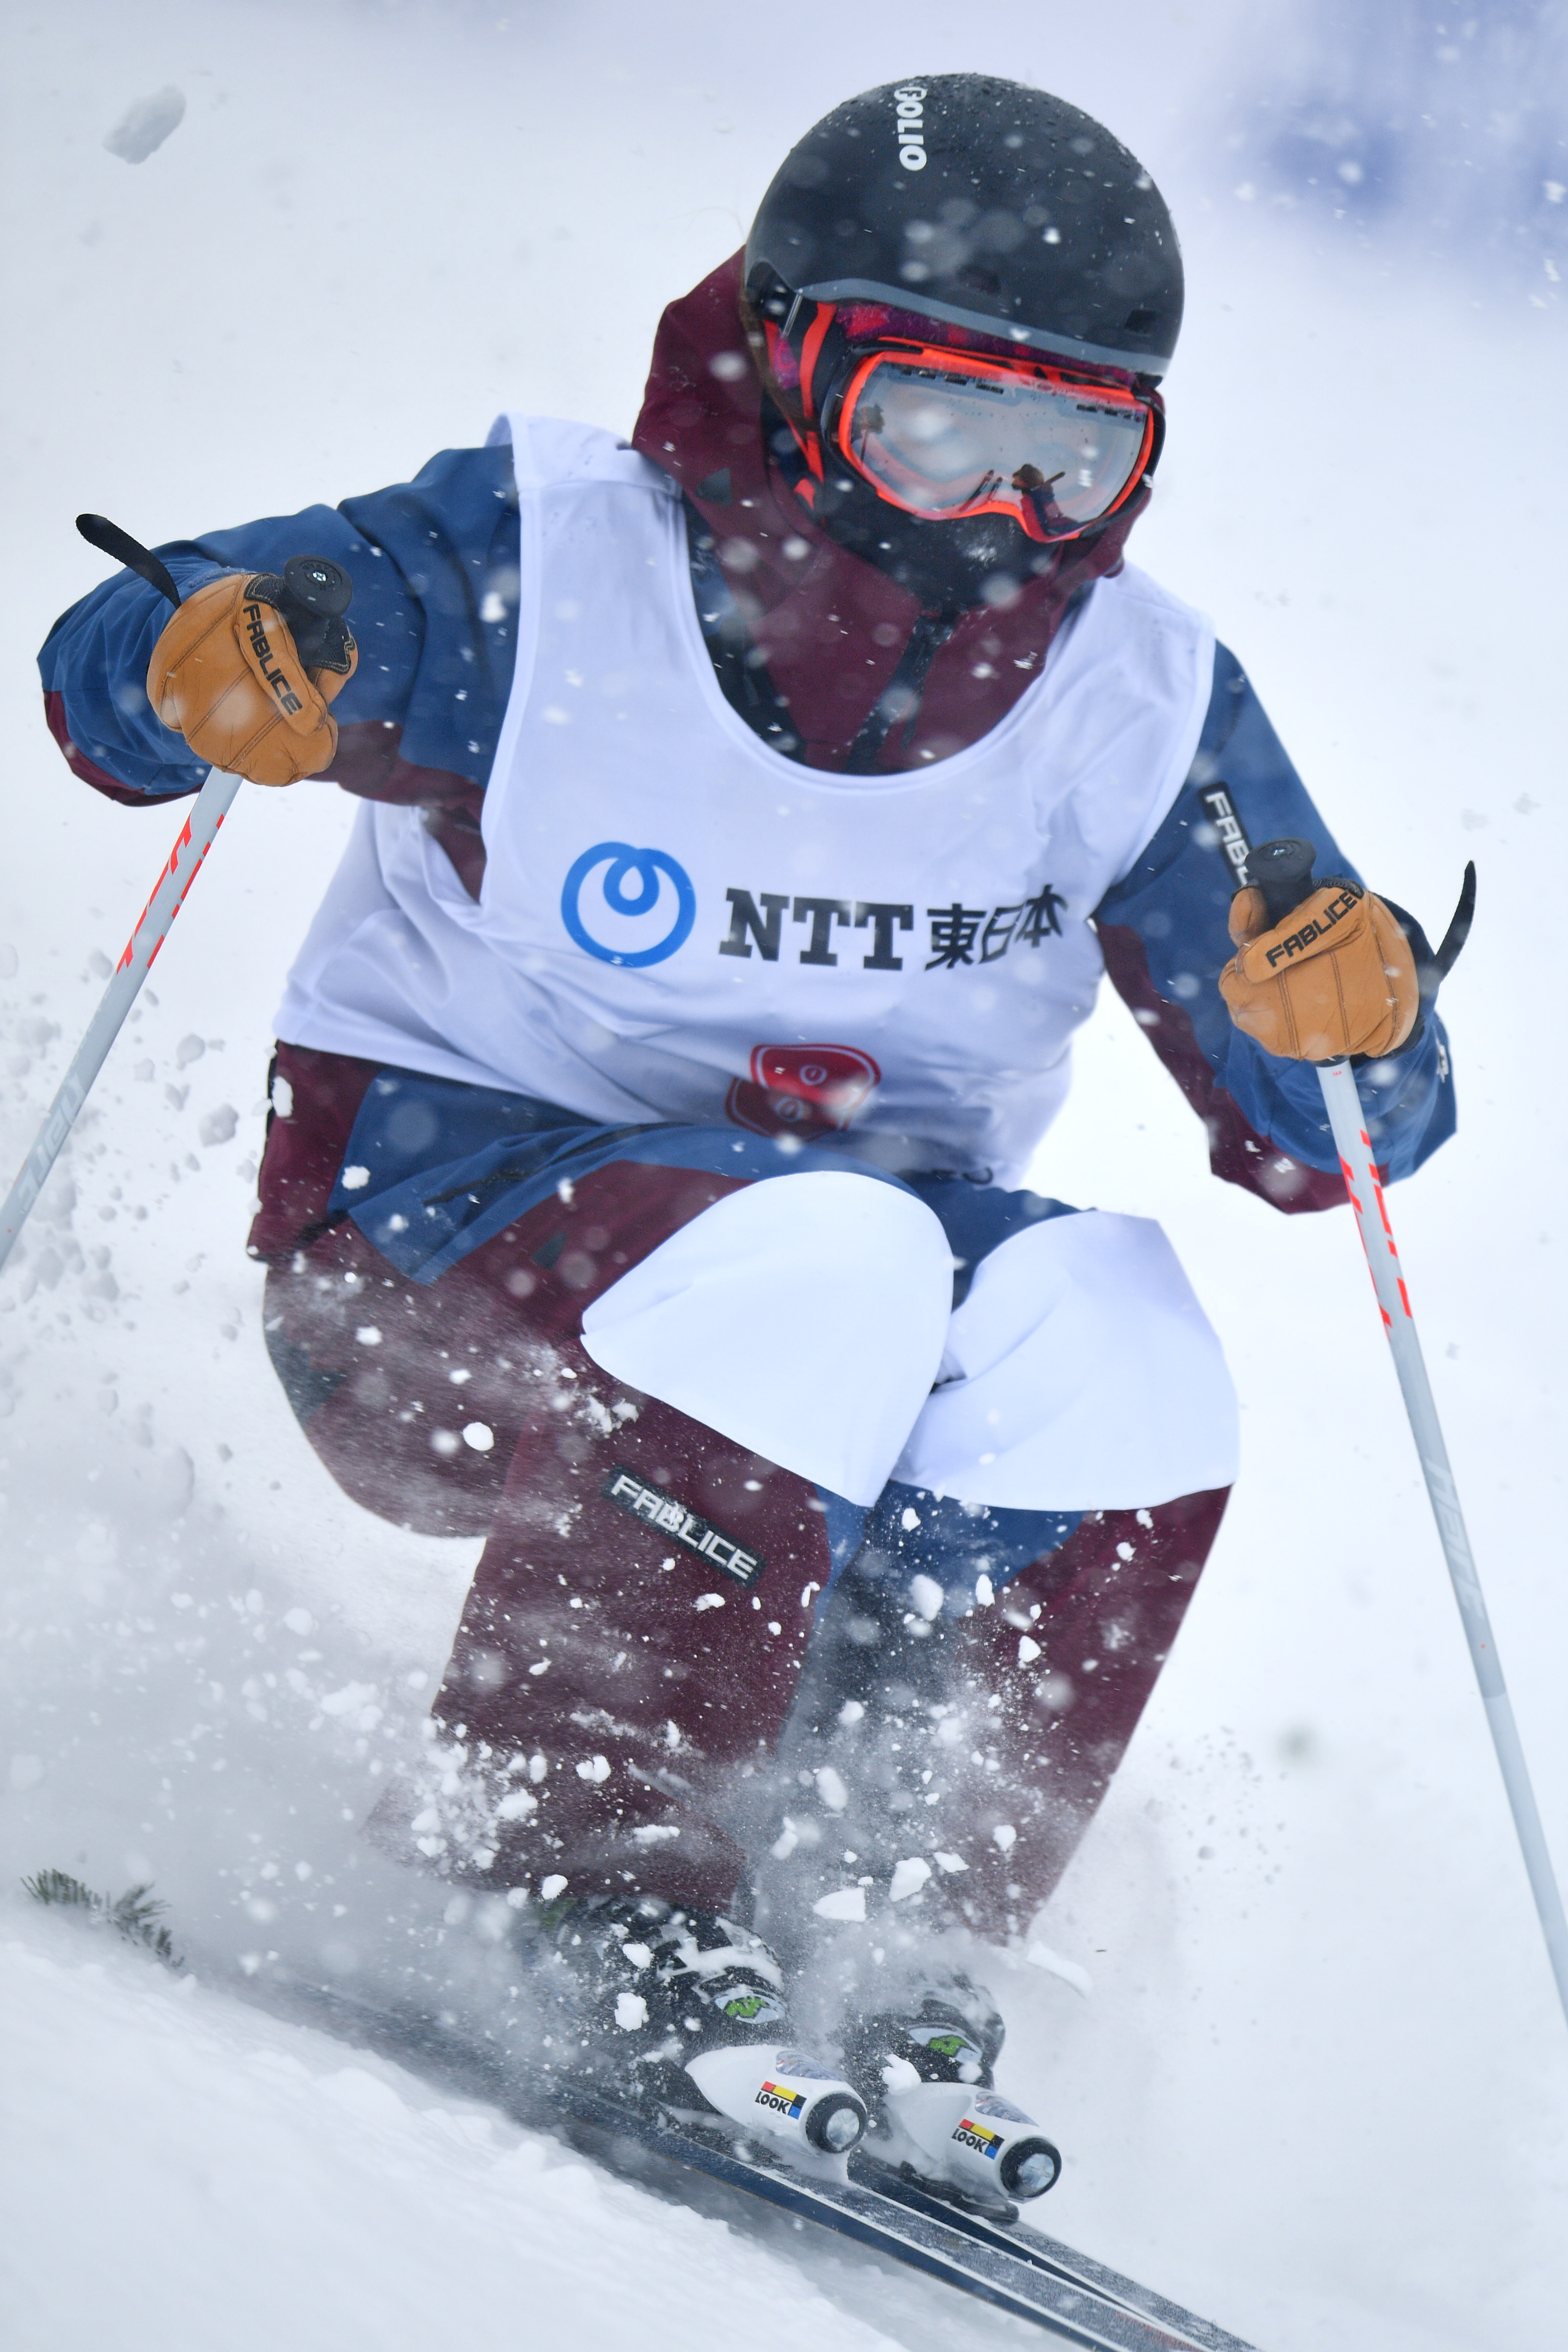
(1318, 2085)
(178, 2169)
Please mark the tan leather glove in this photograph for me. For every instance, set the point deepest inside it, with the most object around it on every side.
(1336, 977)
(226, 674)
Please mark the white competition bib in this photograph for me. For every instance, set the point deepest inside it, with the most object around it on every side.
(678, 923)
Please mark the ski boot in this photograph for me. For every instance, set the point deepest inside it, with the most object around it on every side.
(924, 2069)
(680, 2012)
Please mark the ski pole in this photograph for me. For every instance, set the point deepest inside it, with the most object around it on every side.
(1283, 870)
(196, 836)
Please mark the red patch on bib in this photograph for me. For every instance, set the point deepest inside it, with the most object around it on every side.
(801, 1089)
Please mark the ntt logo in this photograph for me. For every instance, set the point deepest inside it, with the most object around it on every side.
(610, 921)
(910, 101)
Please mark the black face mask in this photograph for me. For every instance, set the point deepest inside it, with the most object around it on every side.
(947, 567)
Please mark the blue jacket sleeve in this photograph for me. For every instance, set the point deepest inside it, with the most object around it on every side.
(1163, 931)
(435, 567)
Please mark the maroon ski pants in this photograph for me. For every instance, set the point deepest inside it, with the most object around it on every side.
(616, 1714)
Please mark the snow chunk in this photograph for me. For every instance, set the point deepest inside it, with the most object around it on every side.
(356, 1704)
(144, 127)
(832, 1789)
(551, 1886)
(219, 1125)
(908, 1877)
(631, 2011)
(479, 1435)
(926, 1595)
(354, 1180)
(1005, 1835)
(848, 1903)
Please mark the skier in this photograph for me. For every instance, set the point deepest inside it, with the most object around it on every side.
(750, 812)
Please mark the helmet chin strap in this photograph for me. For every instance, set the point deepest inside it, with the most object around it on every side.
(900, 700)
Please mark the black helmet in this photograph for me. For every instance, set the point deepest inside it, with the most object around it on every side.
(982, 203)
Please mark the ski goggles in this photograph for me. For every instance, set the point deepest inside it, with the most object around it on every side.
(945, 433)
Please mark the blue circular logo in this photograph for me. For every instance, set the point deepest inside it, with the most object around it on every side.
(642, 867)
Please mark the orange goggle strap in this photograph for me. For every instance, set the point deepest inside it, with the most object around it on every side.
(802, 368)
(810, 352)
(946, 361)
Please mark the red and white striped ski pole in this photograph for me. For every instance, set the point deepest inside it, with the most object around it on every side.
(1283, 870)
(196, 836)
(184, 862)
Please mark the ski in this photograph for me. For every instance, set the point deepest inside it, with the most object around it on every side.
(1077, 2301)
(1072, 2298)
(1047, 2254)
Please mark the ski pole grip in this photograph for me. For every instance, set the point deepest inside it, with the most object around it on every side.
(314, 583)
(312, 595)
(1283, 870)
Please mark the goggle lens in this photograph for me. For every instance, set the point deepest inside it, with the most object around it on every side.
(943, 438)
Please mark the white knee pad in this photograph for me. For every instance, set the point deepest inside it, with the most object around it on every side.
(803, 1317)
(1081, 1374)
